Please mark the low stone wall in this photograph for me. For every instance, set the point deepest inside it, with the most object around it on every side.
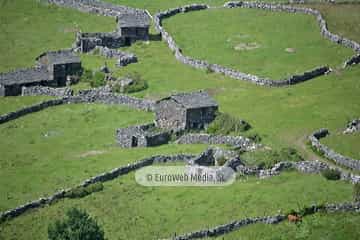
(47, 91)
(104, 177)
(95, 7)
(123, 58)
(235, 225)
(236, 141)
(352, 61)
(331, 154)
(85, 42)
(201, 64)
(102, 96)
(353, 126)
(31, 109)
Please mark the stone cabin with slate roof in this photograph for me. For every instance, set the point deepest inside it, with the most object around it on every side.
(133, 26)
(185, 111)
(60, 64)
(52, 69)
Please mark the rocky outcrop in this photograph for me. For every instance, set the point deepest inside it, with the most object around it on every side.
(236, 141)
(201, 64)
(47, 91)
(331, 154)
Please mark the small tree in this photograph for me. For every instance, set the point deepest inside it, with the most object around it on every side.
(77, 226)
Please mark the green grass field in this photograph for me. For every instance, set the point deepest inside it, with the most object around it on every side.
(342, 225)
(129, 211)
(264, 43)
(29, 28)
(345, 144)
(61, 146)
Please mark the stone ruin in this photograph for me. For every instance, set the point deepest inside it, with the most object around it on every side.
(52, 69)
(173, 114)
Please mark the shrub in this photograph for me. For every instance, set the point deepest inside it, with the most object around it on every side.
(98, 80)
(86, 75)
(80, 192)
(356, 192)
(331, 174)
(221, 161)
(255, 137)
(290, 154)
(78, 225)
(139, 83)
(226, 124)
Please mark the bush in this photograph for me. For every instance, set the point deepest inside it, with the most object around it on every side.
(80, 192)
(98, 80)
(226, 124)
(356, 192)
(86, 75)
(209, 70)
(139, 83)
(254, 137)
(77, 226)
(331, 174)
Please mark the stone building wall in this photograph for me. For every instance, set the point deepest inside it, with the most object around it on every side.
(201, 64)
(170, 115)
(122, 58)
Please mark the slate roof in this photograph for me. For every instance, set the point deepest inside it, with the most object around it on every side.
(60, 57)
(199, 99)
(24, 76)
(136, 19)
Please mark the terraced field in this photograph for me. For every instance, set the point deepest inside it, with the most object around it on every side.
(61, 146)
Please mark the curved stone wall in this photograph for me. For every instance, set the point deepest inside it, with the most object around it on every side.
(331, 154)
(201, 64)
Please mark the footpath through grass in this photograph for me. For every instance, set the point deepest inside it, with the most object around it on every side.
(264, 43)
(127, 210)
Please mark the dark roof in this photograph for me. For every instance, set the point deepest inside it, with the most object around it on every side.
(136, 19)
(199, 99)
(59, 57)
(25, 76)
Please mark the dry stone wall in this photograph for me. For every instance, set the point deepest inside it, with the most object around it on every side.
(104, 177)
(47, 91)
(201, 64)
(236, 141)
(235, 225)
(331, 154)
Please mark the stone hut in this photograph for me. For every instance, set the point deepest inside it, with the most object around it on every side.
(60, 64)
(133, 26)
(142, 136)
(186, 111)
(11, 83)
(52, 69)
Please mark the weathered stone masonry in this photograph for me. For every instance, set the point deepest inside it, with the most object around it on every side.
(331, 154)
(201, 64)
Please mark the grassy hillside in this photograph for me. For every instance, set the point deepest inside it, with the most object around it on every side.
(264, 43)
(127, 210)
(29, 28)
(348, 145)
